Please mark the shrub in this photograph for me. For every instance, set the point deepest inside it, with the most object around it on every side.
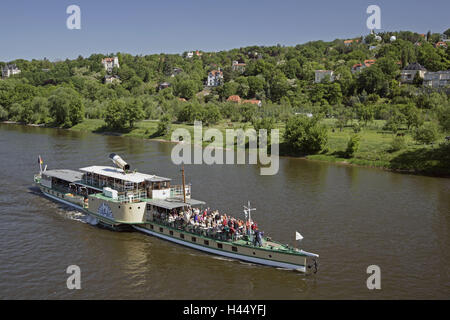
(426, 134)
(352, 145)
(398, 143)
(305, 135)
(163, 126)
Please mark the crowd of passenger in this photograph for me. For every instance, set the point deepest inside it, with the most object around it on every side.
(211, 223)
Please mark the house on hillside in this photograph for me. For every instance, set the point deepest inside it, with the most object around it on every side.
(234, 98)
(215, 78)
(176, 71)
(320, 75)
(110, 63)
(409, 72)
(111, 79)
(10, 70)
(190, 54)
(349, 42)
(164, 85)
(238, 66)
(360, 66)
(437, 79)
(441, 44)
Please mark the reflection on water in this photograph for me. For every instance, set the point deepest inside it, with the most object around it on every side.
(353, 217)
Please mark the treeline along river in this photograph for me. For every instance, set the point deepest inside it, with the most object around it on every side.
(353, 217)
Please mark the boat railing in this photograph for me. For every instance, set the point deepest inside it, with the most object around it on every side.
(177, 191)
(199, 230)
(134, 197)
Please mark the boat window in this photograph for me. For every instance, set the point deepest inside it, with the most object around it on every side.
(151, 226)
(194, 239)
(171, 232)
(234, 249)
(206, 242)
(161, 230)
(182, 235)
(219, 245)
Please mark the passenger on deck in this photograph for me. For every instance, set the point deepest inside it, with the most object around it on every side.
(258, 240)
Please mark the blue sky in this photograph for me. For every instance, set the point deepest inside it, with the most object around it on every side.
(37, 29)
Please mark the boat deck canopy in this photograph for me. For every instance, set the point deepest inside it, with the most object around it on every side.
(64, 174)
(116, 173)
(174, 203)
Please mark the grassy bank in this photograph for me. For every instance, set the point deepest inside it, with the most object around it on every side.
(374, 150)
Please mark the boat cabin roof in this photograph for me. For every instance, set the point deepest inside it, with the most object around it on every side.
(64, 174)
(174, 203)
(116, 173)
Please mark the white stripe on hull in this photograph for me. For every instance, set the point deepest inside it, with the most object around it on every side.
(226, 254)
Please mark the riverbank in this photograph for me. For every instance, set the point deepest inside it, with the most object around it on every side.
(374, 150)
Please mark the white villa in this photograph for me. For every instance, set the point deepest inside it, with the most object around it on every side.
(437, 79)
(10, 70)
(321, 74)
(238, 66)
(110, 63)
(409, 72)
(215, 78)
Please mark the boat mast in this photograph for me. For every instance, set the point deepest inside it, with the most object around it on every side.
(247, 211)
(184, 187)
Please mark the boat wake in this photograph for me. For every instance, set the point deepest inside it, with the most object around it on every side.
(223, 258)
(74, 215)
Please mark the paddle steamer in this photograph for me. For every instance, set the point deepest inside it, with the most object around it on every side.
(121, 199)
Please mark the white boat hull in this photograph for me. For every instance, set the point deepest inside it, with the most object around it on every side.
(224, 253)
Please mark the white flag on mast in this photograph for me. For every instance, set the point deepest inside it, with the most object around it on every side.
(298, 236)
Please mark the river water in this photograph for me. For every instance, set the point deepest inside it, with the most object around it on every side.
(352, 217)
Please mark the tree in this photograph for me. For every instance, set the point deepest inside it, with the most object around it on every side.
(267, 124)
(278, 86)
(163, 126)
(66, 107)
(413, 116)
(190, 113)
(366, 113)
(447, 32)
(115, 114)
(247, 111)
(395, 121)
(211, 114)
(305, 135)
(389, 66)
(3, 114)
(229, 89)
(426, 134)
(372, 80)
(133, 112)
(186, 89)
(443, 116)
(256, 85)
